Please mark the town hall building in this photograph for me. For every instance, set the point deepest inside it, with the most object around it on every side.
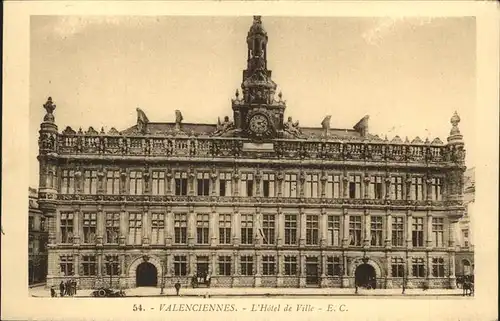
(252, 200)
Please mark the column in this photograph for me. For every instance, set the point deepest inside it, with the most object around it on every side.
(191, 229)
(100, 225)
(451, 234)
(168, 264)
(345, 271)
(54, 227)
(169, 226)
(122, 277)
(76, 227)
(76, 262)
(279, 266)
(408, 270)
(302, 240)
(258, 227)
(214, 264)
(389, 272)
(429, 230)
(214, 222)
(302, 282)
(281, 227)
(451, 272)
(236, 271)
(324, 227)
(236, 230)
(345, 229)
(258, 269)
(123, 226)
(192, 265)
(99, 265)
(145, 227)
(367, 225)
(409, 222)
(388, 229)
(323, 269)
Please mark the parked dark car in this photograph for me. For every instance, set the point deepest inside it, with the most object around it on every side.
(106, 292)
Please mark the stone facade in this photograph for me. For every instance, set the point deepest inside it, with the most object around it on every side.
(465, 236)
(255, 201)
(37, 241)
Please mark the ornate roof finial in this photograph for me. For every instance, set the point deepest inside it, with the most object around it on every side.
(237, 94)
(49, 107)
(280, 95)
(455, 135)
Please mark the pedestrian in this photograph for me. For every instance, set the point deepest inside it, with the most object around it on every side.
(208, 279)
(68, 287)
(61, 288)
(177, 287)
(356, 288)
(52, 292)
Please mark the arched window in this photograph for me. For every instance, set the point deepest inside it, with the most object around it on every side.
(466, 267)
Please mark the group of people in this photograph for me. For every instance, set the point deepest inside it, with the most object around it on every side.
(67, 288)
(204, 279)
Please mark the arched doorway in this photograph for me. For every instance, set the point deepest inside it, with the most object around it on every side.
(365, 276)
(146, 275)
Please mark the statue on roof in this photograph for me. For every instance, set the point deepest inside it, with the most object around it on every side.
(292, 128)
(224, 127)
(142, 121)
(178, 119)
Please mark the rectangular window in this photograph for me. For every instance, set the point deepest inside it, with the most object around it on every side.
(112, 228)
(375, 187)
(334, 230)
(355, 230)
(66, 227)
(268, 265)
(31, 223)
(246, 184)
(268, 185)
(438, 231)
(135, 183)
(436, 189)
(268, 226)
(397, 188)
(417, 266)
(225, 228)
(290, 265)
(417, 188)
(68, 182)
(354, 186)
(112, 182)
(438, 267)
(418, 232)
(89, 227)
(332, 186)
(158, 183)
(290, 229)
(134, 228)
(311, 185)
(89, 265)
(225, 184)
(398, 267)
(90, 182)
(333, 266)
(376, 231)
(66, 264)
(312, 229)
(203, 184)
(180, 265)
(290, 187)
(112, 265)
(246, 265)
(157, 228)
(180, 183)
(398, 228)
(202, 228)
(225, 265)
(465, 238)
(246, 229)
(180, 228)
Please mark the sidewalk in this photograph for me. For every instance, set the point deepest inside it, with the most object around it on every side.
(263, 292)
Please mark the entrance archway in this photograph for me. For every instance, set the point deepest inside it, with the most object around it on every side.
(365, 276)
(146, 275)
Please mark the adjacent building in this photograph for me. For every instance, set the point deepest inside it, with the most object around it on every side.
(253, 200)
(465, 244)
(37, 241)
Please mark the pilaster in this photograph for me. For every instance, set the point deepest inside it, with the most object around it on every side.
(388, 228)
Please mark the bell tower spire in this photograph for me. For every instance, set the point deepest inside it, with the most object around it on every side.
(258, 90)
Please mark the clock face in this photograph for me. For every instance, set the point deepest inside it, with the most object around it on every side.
(259, 124)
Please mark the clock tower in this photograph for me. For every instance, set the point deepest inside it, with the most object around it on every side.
(257, 114)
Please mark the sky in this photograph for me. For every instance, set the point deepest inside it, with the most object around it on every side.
(409, 74)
